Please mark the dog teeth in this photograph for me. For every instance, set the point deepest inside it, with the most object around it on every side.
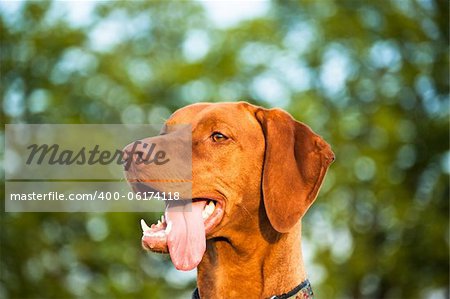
(211, 206)
(163, 219)
(208, 210)
(144, 226)
(168, 228)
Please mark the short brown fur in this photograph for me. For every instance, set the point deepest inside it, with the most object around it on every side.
(268, 173)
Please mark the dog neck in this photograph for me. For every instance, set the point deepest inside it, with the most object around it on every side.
(259, 266)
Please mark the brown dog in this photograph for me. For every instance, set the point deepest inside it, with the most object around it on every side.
(255, 172)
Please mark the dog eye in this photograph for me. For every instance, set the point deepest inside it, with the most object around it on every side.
(218, 137)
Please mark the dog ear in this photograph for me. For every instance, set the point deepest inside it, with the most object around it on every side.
(296, 160)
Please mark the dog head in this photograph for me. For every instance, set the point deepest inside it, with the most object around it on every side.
(243, 156)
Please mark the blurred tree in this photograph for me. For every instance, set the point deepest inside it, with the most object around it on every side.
(371, 77)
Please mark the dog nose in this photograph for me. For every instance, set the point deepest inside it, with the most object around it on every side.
(137, 152)
(125, 155)
(131, 152)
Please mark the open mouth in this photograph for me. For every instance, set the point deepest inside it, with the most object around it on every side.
(182, 230)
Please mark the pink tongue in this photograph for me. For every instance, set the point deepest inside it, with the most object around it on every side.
(186, 234)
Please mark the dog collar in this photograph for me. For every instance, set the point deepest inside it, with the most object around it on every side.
(302, 291)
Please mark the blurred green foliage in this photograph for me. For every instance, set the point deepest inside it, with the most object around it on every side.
(372, 77)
